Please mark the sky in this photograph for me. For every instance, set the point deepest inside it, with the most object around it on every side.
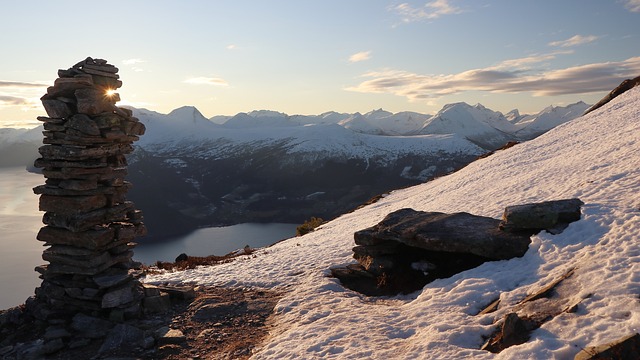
(311, 56)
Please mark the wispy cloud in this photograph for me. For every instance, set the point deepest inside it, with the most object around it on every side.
(22, 94)
(575, 41)
(232, 47)
(431, 10)
(133, 61)
(13, 100)
(632, 5)
(20, 84)
(360, 56)
(207, 81)
(525, 62)
(501, 79)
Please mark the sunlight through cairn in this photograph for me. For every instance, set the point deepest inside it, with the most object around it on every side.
(89, 224)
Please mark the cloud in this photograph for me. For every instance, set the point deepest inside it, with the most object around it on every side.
(6, 100)
(431, 10)
(20, 84)
(524, 62)
(232, 47)
(20, 93)
(207, 81)
(360, 56)
(632, 5)
(133, 61)
(575, 41)
(502, 79)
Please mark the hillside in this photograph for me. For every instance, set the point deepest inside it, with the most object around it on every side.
(595, 157)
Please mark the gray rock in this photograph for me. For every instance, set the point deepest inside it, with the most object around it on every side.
(535, 217)
(208, 312)
(52, 346)
(84, 124)
(166, 335)
(122, 335)
(6, 350)
(156, 304)
(56, 109)
(450, 233)
(55, 332)
(90, 327)
(38, 349)
(112, 278)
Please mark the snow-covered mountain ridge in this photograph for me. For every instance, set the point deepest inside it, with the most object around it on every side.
(459, 118)
(264, 165)
(595, 158)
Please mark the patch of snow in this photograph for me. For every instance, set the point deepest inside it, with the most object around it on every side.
(176, 163)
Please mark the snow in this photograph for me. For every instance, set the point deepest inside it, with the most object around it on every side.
(550, 117)
(476, 123)
(595, 157)
(167, 134)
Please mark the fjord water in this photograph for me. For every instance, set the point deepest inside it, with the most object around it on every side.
(20, 221)
(214, 241)
(20, 252)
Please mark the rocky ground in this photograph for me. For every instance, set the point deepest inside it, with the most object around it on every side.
(219, 323)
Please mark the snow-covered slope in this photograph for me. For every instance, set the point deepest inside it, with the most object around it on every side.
(595, 157)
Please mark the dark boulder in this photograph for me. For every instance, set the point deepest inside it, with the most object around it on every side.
(410, 248)
(449, 233)
(552, 216)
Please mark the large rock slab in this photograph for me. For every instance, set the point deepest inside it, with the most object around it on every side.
(450, 233)
(552, 216)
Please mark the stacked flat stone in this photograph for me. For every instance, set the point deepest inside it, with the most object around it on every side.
(90, 227)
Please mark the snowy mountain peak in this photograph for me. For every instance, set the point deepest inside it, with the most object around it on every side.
(188, 114)
(377, 114)
(267, 113)
(486, 127)
(513, 116)
(533, 125)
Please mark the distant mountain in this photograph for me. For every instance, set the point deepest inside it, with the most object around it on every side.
(19, 147)
(264, 167)
(381, 122)
(487, 128)
(267, 166)
(529, 127)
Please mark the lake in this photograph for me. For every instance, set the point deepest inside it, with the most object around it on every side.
(20, 221)
(215, 241)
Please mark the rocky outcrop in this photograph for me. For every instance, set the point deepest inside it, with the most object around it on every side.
(89, 225)
(625, 348)
(410, 248)
(620, 89)
(532, 312)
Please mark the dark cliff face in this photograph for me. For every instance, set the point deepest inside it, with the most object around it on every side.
(179, 194)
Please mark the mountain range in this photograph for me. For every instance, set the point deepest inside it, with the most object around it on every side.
(265, 166)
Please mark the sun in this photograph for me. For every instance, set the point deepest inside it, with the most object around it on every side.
(110, 92)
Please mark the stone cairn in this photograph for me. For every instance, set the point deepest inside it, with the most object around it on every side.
(90, 227)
